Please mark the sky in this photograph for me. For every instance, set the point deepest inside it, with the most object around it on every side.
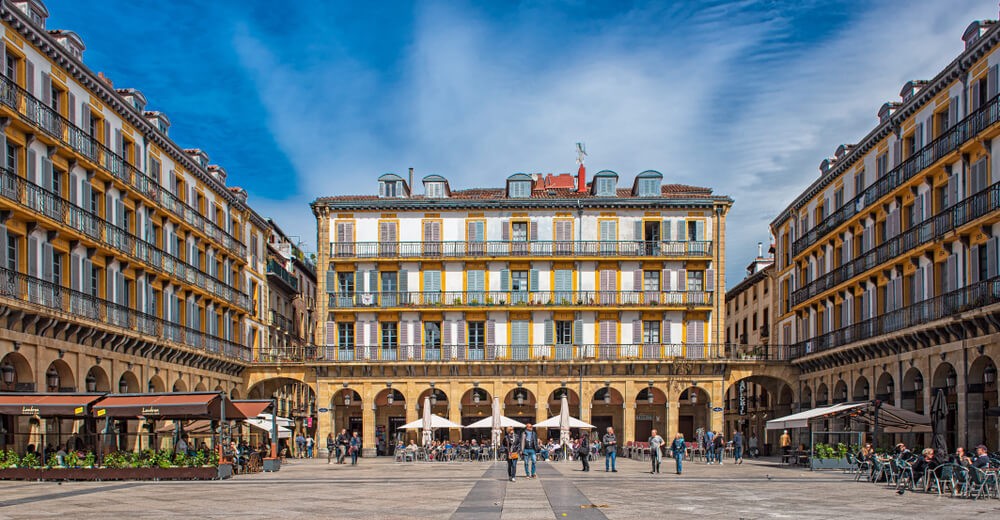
(303, 99)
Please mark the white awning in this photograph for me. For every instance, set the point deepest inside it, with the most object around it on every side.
(283, 433)
(553, 422)
(487, 422)
(891, 419)
(801, 419)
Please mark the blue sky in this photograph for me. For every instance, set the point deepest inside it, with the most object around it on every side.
(312, 98)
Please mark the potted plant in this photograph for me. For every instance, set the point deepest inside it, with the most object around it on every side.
(829, 456)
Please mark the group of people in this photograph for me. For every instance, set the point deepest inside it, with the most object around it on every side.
(929, 459)
(342, 446)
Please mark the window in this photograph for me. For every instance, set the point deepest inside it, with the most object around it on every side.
(435, 190)
(389, 334)
(692, 230)
(696, 281)
(755, 321)
(519, 189)
(389, 189)
(649, 187)
(11, 252)
(11, 162)
(519, 231)
(564, 333)
(345, 284)
(881, 165)
(838, 198)
(650, 332)
(605, 186)
(432, 334)
(389, 282)
(519, 281)
(859, 183)
(345, 334)
(55, 96)
(57, 262)
(11, 70)
(477, 334)
(651, 280)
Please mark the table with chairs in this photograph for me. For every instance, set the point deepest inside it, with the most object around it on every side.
(956, 480)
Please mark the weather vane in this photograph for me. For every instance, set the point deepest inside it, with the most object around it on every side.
(581, 152)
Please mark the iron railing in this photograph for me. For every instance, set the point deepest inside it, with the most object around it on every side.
(968, 298)
(513, 248)
(83, 306)
(521, 298)
(277, 270)
(55, 125)
(48, 204)
(949, 141)
(952, 217)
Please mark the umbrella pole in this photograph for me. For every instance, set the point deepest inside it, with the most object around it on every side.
(274, 428)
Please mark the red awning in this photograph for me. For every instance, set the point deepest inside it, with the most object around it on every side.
(47, 405)
(252, 408)
(192, 405)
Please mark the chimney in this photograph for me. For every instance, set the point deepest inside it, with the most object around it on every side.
(760, 250)
(411, 179)
(581, 179)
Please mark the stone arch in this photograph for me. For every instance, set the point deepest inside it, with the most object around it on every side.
(64, 378)
(807, 397)
(840, 394)
(131, 383)
(946, 378)
(862, 390)
(179, 385)
(234, 393)
(200, 387)
(97, 379)
(155, 385)
(439, 401)
(982, 395)
(519, 403)
(885, 388)
(693, 411)
(607, 409)
(18, 372)
(822, 395)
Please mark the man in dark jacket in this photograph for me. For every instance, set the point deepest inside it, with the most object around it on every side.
(343, 443)
(529, 447)
(583, 451)
(610, 450)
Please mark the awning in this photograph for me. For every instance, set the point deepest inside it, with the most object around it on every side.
(192, 405)
(199, 426)
(891, 419)
(46, 405)
(252, 408)
(487, 422)
(553, 422)
(436, 422)
(282, 421)
(283, 433)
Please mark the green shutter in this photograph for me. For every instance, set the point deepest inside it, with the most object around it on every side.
(505, 280)
(549, 332)
(533, 280)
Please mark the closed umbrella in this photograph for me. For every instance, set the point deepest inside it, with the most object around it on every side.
(496, 429)
(428, 432)
(939, 425)
(564, 424)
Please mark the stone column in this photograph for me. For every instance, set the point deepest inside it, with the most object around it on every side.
(324, 421)
(673, 412)
(454, 410)
(718, 399)
(628, 415)
(322, 265)
(368, 420)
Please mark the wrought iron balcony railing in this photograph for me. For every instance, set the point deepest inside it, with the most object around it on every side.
(89, 308)
(949, 141)
(952, 217)
(48, 204)
(968, 298)
(522, 298)
(56, 126)
(513, 248)
(278, 271)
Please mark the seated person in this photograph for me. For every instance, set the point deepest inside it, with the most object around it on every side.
(961, 458)
(866, 452)
(61, 456)
(412, 446)
(982, 460)
(926, 463)
(901, 451)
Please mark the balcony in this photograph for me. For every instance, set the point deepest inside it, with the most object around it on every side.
(102, 313)
(47, 204)
(966, 299)
(278, 272)
(280, 322)
(965, 211)
(60, 129)
(515, 249)
(683, 299)
(951, 140)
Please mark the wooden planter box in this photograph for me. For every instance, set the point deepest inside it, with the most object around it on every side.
(202, 473)
(842, 463)
(271, 465)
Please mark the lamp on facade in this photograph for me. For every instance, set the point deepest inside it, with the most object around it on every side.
(890, 387)
(52, 378)
(949, 380)
(389, 398)
(8, 373)
(520, 398)
(122, 386)
(918, 383)
(475, 396)
(649, 393)
(693, 396)
(347, 398)
(91, 383)
(150, 387)
(990, 375)
(434, 398)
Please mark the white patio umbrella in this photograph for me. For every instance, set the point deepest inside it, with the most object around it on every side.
(428, 432)
(487, 422)
(564, 424)
(436, 422)
(553, 422)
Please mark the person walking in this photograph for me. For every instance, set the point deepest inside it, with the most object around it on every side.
(610, 443)
(529, 447)
(719, 445)
(512, 445)
(343, 445)
(300, 445)
(752, 448)
(310, 444)
(709, 446)
(678, 448)
(785, 441)
(583, 451)
(355, 448)
(331, 447)
(655, 443)
(738, 447)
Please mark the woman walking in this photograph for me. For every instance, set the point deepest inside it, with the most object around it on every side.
(655, 443)
(355, 448)
(583, 451)
(678, 448)
(512, 445)
(719, 447)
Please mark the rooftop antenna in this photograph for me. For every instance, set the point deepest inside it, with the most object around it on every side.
(581, 174)
(581, 152)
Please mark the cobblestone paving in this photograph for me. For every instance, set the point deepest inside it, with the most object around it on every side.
(476, 490)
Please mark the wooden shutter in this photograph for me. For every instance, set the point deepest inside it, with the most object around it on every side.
(951, 273)
(637, 284)
(991, 257)
(490, 332)
(668, 280)
(681, 230)
(699, 230)
(991, 82)
(974, 96)
(668, 231)
(533, 230)
(505, 280)
(682, 280)
(32, 160)
(549, 332)
(897, 153)
(46, 89)
(974, 264)
(71, 107)
(637, 332)
(3, 243)
(29, 76)
(666, 333)
(533, 280)
(47, 174)
(709, 280)
(637, 230)
(32, 257)
(578, 331)
(505, 229)
(953, 112)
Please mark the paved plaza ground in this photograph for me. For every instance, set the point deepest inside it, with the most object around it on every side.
(479, 490)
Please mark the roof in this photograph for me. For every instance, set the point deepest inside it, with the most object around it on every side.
(667, 190)
(46, 405)
(192, 405)
(434, 178)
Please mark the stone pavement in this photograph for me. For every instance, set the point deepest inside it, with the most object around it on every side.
(477, 490)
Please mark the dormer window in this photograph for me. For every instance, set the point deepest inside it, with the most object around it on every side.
(391, 186)
(435, 187)
(605, 183)
(647, 184)
(519, 186)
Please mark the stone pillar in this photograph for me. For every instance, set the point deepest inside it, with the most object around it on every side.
(673, 412)
(322, 265)
(324, 421)
(368, 420)
(587, 401)
(628, 414)
(718, 400)
(454, 410)
(961, 414)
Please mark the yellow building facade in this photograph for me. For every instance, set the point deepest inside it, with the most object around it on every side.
(886, 266)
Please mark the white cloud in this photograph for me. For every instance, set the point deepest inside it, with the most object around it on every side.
(717, 98)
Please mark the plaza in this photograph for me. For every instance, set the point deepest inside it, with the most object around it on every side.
(380, 488)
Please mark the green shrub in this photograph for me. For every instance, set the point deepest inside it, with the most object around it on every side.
(30, 460)
(89, 459)
(9, 459)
